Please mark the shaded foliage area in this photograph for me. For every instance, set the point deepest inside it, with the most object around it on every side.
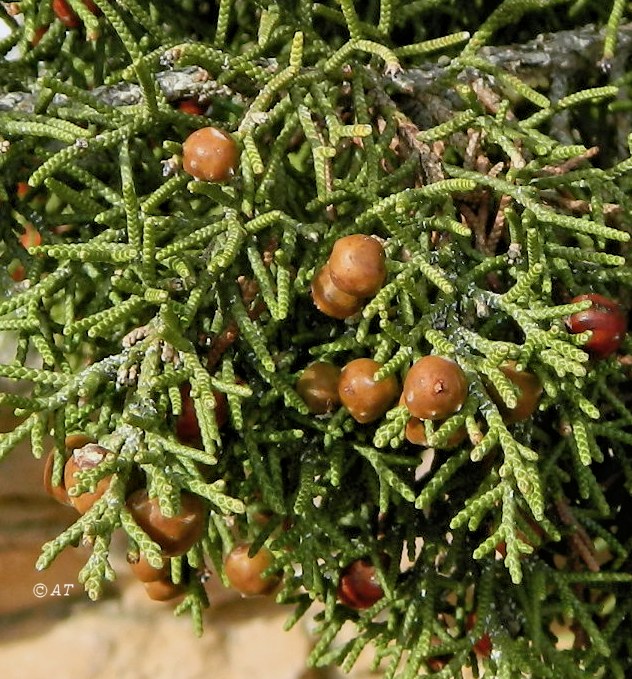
(173, 317)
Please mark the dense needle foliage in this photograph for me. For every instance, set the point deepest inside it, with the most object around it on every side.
(499, 188)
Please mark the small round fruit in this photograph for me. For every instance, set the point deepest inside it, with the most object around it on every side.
(38, 34)
(501, 549)
(31, 236)
(22, 190)
(605, 319)
(210, 154)
(318, 387)
(145, 572)
(86, 457)
(438, 662)
(66, 14)
(16, 271)
(529, 393)
(434, 388)
(416, 433)
(59, 492)
(164, 590)
(358, 265)
(359, 587)
(190, 106)
(482, 646)
(175, 534)
(330, 299)
(245, 573)
(187, 426)
(364, 398)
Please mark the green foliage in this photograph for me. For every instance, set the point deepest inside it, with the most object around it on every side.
(499, 197)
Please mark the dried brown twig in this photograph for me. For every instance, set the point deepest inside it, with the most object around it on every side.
(581, 544)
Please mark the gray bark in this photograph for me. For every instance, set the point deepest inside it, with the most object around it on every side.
(547, 57)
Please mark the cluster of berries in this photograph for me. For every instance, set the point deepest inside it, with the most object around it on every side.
(356, 270)
(175, 535)
(434, 388)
